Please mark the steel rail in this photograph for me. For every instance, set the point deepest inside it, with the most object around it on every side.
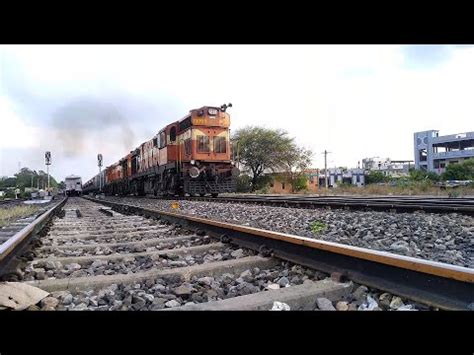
(433, 283)
(15, 245)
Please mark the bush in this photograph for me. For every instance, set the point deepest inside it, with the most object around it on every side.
(460, 171)
(454, 194)
(263, 182)
(263, 190)
(300, 183)
(10, 193)
(244, 183)
(420, 175)
(424, 185)
(375, 177)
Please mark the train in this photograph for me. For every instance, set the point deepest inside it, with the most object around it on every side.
(73, 185)
(190, 156)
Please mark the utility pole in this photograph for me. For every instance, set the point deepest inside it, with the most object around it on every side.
(326, 167)
(99, 163)
(47, 158)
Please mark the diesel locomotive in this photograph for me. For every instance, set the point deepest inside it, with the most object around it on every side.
(189, 156)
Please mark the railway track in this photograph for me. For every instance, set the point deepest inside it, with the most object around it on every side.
(11, 202)
(106, 255)
(463, 205)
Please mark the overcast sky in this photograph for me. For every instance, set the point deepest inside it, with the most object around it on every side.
(355, 101)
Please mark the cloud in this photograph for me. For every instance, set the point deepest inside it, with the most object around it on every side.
(355, 101)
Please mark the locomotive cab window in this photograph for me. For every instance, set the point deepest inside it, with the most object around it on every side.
(219, 145)
(185, 123)
(155, 142)
(203, 144)
(173, 134)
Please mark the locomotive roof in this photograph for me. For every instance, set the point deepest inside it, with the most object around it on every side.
(198, 109)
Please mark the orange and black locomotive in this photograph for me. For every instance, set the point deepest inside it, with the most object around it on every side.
(190, 156)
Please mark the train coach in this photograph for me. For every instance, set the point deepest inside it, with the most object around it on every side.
(73, 185)
(189, 156)
(94, 185)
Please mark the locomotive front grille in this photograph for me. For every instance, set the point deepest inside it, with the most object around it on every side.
(206, 187)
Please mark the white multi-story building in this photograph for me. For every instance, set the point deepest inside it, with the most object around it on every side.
(387, 166)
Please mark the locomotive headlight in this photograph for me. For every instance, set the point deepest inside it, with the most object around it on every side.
(192, 162)
(235, 171)
(194, 172)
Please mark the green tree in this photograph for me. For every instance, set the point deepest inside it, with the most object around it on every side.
(460, 171)
(294, 162)
(30, 178)
(259, 149)
(6, 181)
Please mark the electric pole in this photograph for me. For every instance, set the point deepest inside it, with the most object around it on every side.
(47, 158)
(326, 167)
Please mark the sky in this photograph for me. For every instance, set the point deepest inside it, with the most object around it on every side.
(355, 101)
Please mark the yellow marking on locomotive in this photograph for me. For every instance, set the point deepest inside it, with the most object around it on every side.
(175, 205)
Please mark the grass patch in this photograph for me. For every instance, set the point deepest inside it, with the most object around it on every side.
(317, 226)
(409, 189)
(8, 215)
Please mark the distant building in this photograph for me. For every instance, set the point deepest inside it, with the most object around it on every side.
(278, 185)
(388, 167)
(337, 176)
(316, 179)
(434, 152)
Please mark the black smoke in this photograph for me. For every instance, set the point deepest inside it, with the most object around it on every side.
(79, 118)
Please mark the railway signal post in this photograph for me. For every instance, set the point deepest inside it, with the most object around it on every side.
(47, 158)
(99, 163)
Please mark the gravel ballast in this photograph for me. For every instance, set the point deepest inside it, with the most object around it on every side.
(447, 238)
(171, 292)
(49, 269)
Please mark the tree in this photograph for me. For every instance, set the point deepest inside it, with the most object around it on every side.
(294, 162)
(31, 178)
(259, 149)
(460, 171)
(7, 182)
